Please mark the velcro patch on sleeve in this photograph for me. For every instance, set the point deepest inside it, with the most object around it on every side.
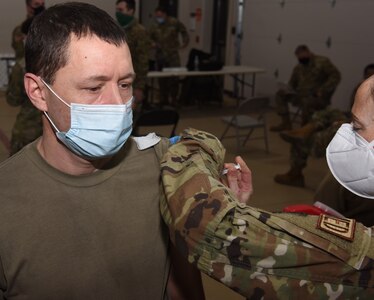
(343, 228)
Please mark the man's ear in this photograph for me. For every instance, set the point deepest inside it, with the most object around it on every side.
(35, 91)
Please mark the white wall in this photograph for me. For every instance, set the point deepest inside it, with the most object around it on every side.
(349, 24)
(200, 33)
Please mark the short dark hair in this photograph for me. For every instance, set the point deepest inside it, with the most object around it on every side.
(131, 4)
(162, 9)
(50, 32)
(25, 26)
(28, 2)
(368, 67)
(301, 48)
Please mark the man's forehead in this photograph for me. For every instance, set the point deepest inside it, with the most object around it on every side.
(122, 5)
(36, 2)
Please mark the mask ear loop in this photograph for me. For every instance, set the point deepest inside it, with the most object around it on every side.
(58, 97)
(54, 93)
(129, 104)
(50, 121)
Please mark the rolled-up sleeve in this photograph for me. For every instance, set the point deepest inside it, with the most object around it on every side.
(254, 252)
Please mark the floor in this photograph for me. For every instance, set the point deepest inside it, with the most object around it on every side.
(267, 194)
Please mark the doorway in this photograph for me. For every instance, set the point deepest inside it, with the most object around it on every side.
(219, 28)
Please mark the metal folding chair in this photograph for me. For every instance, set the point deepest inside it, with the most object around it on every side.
(250, 115)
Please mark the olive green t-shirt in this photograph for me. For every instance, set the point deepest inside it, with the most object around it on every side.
(98, 236)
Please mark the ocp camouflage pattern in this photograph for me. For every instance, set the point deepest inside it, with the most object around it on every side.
(28, 124)
(140, 45)
(327, 122)
(259, 254)
(166, 38)
(319, 76)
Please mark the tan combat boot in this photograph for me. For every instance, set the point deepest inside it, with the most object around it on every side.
(299, 134)
(294, 177)
(285, 125)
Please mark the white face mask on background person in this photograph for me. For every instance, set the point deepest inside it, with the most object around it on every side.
(96, 131)
(351, 160)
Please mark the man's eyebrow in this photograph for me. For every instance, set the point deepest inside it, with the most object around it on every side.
(128, 76)
(106, 78)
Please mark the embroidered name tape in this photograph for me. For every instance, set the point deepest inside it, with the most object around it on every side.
(344, 228)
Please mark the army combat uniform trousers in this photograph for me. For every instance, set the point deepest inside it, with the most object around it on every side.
(307, 104)
(259, 254)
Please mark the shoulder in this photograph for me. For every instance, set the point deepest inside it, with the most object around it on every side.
(137, 26)
(173, 21)
(159, 144)
(16, 169)
(17, 30)
(321, 59)
(19, 66)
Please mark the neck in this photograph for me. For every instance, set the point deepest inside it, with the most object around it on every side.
(61, 158)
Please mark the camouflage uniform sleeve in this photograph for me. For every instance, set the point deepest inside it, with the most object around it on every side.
(256, 253)
(183, 31)
(294, 80)
(15, 93)
(17, 42)
(141, 57)
(333, 77)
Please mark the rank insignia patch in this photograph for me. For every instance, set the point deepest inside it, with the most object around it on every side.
(344, 228)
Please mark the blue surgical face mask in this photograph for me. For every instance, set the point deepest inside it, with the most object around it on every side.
(160, 20)
(96, 131)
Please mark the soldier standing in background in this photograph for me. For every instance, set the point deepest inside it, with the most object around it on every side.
(312, 84)
(33, 8)
(139, 44)
(28, 124)
(165, 40)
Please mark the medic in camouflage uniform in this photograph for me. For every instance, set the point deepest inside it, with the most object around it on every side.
(311, 139)
(313, 82)
(165, 37)
(139, 44)
(258, 254)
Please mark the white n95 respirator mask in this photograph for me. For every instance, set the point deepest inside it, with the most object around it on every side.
(351, 160)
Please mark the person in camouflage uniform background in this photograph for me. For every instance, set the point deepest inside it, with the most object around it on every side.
(165, 38)
(139, 44)
(33, 8)
(259, 254)
(313, 82)
(313, 139)
(28, 124)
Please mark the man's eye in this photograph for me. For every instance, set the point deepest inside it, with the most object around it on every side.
(125, 85)
(93, 89)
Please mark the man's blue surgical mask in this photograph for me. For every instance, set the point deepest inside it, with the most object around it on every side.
(96, 131)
